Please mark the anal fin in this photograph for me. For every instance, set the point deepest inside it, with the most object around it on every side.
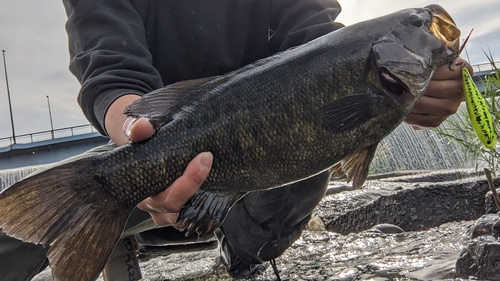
(205, 212)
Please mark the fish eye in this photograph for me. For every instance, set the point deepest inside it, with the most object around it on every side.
(415, 20)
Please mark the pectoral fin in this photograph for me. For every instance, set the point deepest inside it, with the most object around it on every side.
(356, 166)
(348, 112)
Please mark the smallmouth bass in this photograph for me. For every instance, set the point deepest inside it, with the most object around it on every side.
(323, 105)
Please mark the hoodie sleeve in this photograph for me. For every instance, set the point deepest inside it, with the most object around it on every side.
(300, 21)
(108, 54)
(110, 57)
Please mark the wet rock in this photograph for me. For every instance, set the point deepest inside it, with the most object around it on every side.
(481, 256)
(491, 206)
(439, 176)
(316, 224)
(484, 226)
(387, 228)
(480, 259)
(413, 208)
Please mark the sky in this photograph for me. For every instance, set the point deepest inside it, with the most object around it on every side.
(33, 35)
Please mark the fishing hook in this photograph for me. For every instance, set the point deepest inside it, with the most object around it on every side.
(461, 64)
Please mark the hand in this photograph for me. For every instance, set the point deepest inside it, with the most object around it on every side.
(164, 206)
(441, 99)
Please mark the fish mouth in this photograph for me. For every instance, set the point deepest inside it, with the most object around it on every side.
(444, 28)
(391, 76)
(391, 83)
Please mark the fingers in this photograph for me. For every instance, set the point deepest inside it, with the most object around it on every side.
(138, 129)
(451, 71)
(442, 97)
(451, 89)
(114, 119)
(161, 218)
(185, 186)
(441, 100)
(424, 121)
(164, 206)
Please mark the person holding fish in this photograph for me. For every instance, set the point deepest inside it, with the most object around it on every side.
(122, 50)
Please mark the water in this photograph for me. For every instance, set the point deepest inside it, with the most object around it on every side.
(423, 255)
(408, 149)
(10, 176)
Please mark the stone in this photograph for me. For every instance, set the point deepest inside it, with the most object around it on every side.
(480, 259)
(491, 206)
(436, 200)
(316, 224)
(387, 228)
(484, 225)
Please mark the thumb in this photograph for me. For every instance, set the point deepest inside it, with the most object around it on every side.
(138, 129)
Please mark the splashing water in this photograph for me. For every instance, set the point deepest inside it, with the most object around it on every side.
(11, 176)
(409, 149)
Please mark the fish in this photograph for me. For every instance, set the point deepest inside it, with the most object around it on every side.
(324, 105)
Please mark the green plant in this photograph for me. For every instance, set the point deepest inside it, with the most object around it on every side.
(459, 128)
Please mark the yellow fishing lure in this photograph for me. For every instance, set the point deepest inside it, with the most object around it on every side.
(479, 114)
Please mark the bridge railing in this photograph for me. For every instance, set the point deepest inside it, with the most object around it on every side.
(485, 66)
(48, 135)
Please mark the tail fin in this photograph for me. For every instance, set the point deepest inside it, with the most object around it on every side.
(64, 208)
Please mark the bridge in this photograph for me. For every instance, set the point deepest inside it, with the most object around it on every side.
(47, 146)
(482, 70)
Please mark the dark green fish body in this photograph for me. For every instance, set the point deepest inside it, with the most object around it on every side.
(278, 120)
(262, 133)
(323, 105)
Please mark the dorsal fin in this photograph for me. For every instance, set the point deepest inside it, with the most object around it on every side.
(159, 105)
